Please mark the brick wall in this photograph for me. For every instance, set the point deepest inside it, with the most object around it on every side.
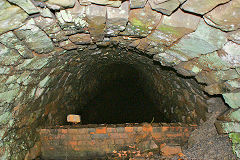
(88, 141)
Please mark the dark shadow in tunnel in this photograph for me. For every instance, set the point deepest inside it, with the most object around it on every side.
(121, 99)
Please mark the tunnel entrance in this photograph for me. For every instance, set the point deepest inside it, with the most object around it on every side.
(121, 98)
(124, 99)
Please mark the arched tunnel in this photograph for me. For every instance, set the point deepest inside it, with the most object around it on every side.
(148, 79)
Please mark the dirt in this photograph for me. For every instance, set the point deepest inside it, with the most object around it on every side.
(204, 143)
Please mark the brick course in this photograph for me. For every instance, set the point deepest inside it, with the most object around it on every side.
(97, 140)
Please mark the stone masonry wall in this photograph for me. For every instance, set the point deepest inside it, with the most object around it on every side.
(99, 141)
(198, 38)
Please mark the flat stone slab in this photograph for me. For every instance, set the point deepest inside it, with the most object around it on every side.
(225, 17)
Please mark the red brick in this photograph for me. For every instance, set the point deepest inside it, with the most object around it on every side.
(72, 143)
(137, 129)
(64, 131)
(101, 130)
(147, 128)
(111, 130)
(157, 135)
(81, 137)
(129, 129)
(118, 135)
(73, 131)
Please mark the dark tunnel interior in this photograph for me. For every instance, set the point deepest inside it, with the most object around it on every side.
(121, 98)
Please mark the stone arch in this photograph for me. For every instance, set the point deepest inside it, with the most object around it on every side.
(199, 42)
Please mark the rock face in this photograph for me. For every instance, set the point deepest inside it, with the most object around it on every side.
(198, 38)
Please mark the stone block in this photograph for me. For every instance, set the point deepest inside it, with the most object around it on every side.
(96, 18)
(10, 40)
(81, 38)
(172, 28)
(11, 17)
(165, 7)
(137, 3)
(68, 45)
(72, 118)
(115, 3)
(142, 21)
(34, 38)
(61, 3)
(225, 17)
(204, 40)
(99, 136)
(201, 6)
(231, 115)
(227, 127)
(232, 99)
(117, 19)
(216, 76)
(26, 5)
(169, 151)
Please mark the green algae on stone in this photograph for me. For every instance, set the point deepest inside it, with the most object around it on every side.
(33, 64)
(213, 61)
(231, 54)
(8, 96)
(43, 83)
(142, 21)
(26, 5)
(11, 17)
(171, 28)
(4, 70)
(235, 138)
(10, 40)
(204, 40)
(231, 115)
(5, 117)
(34, 38)
(211, 77)
(232, 99)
